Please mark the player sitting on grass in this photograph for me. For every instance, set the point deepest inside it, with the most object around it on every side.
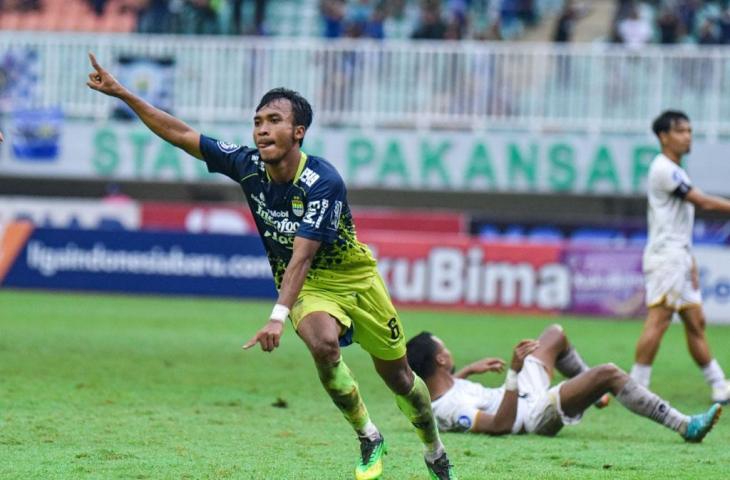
(526, 403)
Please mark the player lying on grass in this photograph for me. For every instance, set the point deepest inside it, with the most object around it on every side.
(527, 403)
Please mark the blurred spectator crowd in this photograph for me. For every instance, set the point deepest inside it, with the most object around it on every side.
(703, 22)
(209, 17)
(376, 19)
(432, 19)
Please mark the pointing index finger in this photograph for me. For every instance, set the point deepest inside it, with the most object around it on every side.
(94, 63)
(250, 343)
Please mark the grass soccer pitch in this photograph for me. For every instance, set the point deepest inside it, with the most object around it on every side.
(113, 387)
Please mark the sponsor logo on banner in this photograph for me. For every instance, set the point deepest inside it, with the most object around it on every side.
(71, 213)
(714, 266)
(151, 78)
(12, 240)
(606, 281)
(472, 275)
(143, 262)
(36, 134)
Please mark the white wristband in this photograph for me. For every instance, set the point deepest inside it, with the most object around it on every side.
(279, 313)
(510, 383)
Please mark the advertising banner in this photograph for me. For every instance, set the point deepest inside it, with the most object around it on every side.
(392, 159)
(71, 213)
(447, 271)
(410, 221)
(138, 262)
(232, 218)
(198, 218)
(150, 78)
(425, 270)
(606, 281)
(714, 265)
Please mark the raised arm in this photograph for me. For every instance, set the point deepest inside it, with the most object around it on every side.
(303, 254)
(707, 202)
(162, 124)
(504, 418)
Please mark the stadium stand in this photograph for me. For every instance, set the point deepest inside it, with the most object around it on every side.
(706, 232)
(672, 22)
(67, 15)
(429, 20)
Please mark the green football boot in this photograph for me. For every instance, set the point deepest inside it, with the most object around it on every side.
(371, 461)
(441, 469)
(700, 425)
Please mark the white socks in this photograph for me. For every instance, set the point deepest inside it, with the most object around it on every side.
(641, 374)
(369, 431)
(433, 452)
(641, 401)
(714, 376)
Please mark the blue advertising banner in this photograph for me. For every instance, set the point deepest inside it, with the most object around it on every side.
(149, 262)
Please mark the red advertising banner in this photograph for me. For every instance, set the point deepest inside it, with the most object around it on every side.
(198, 218)
(458, 271)
(410, 220)
(237, 219)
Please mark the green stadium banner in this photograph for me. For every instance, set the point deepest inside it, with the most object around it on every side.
(518, 162)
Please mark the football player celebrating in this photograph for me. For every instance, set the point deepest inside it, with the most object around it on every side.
(526, 403)
(670, 271)
(328, 283)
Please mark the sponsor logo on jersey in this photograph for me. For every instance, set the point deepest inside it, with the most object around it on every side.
(227, 147)
(308, 177)
(286, 226)
(464, 422)
(336, 212)
(297, 206)
(259, 201)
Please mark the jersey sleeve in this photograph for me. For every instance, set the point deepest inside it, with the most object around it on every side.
(675, 181)
(325, 203)
(222, 157)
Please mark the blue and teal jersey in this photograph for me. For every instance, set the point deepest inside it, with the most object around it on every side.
(313, 205)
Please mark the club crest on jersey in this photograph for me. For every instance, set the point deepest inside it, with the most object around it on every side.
(297, 206)
(227, 147)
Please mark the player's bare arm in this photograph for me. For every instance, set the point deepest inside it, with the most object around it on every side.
(2, 139)
(502, 421)
(707, 202)
(482, 366)
(296, 271)
(162, 124)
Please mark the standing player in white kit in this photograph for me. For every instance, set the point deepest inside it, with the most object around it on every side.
(672, 281)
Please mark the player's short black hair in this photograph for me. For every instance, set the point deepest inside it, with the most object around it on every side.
(421, 353)
(664, 122)
(301, 108)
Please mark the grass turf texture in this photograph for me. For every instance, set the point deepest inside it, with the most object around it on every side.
(130, 387)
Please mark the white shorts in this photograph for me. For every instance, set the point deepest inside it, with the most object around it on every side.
(671, 284)
(544, 414)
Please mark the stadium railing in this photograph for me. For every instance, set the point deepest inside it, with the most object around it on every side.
(422, 85)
